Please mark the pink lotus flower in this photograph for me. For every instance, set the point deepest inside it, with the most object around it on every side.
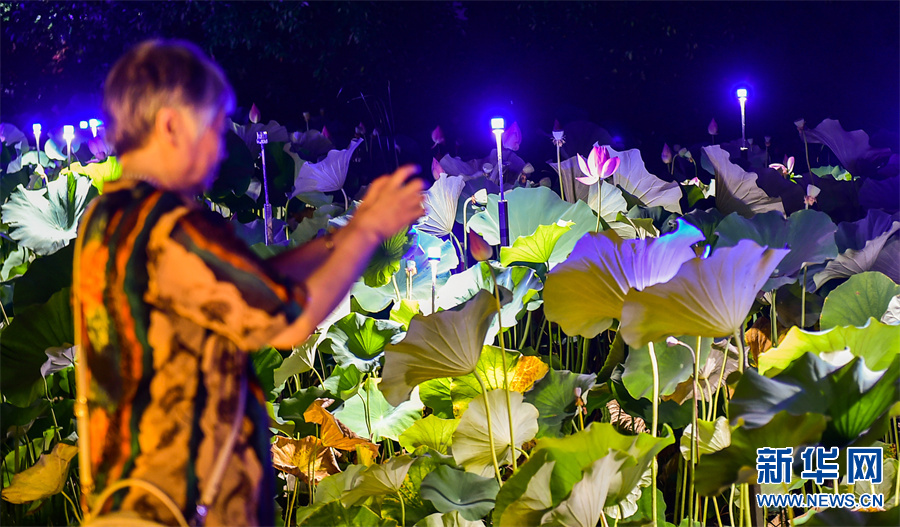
(437, 135)
(666, 154)
(479, 248)
(812, 192)
(599, 165)
(713, 127)
(787, 168)
(436, 169)
(254, 114)
(512, 137)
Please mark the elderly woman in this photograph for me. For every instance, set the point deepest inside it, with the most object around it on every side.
(170, 303)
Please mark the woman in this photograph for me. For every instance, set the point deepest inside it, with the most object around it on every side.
(169, 303)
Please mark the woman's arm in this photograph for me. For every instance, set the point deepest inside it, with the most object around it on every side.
(391, 203)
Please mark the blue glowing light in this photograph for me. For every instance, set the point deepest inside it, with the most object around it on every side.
(83, 125)
(94, 123)
(36, 128)
(497, 123)
(742, 93)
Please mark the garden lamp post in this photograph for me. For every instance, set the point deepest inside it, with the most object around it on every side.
(36, 129)
(262, 138)
(434, 257)
(68, 135)
(94, 124)
(742, 97)
(497, 125)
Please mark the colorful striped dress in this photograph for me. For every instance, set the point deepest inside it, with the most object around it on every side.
(171, 303)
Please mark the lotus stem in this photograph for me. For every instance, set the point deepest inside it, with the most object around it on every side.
(462, 253)
(655, 421)
(719, 384)
(562, 189)
(716, 508)
(731, 507)
(402, 509)
(806, 149)
(773, 311)
(599, 203)
(695, 439)
(487, 411)
(512, 442)
(346, 201)
(396, 288)
(803, 300)
(585, 349)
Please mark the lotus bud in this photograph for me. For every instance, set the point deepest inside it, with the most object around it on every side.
(558, 135)
(360, 129)
(556, 126)
(326, 133)
(527, 169)
(481, 196)
(306, 116)
(768, 140)
(479, 248)
(672, 341)
(750, 141)
(437, 135)
(800, 124)
(684, 152)
(666, 154)
(254, 114)
(545, 182)
(375, 132)
(713, 127)
(411, 268)
(436, 169)
(512, 137)
(812, 192)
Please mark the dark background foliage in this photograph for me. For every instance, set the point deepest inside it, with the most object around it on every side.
(650, 72)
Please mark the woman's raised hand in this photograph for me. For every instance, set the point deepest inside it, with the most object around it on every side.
(391, 203)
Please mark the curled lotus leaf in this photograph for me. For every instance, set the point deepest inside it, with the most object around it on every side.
(440, 205)
(851, 148)
(736, 190)
(632, 177)
(327, 175)
(587, 291)
(707, 297)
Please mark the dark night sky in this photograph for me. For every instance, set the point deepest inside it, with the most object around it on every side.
(648, 71)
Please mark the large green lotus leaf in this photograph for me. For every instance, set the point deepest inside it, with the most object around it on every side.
(378, 480)
(707, 297)
(359, 340)
(369, 415)
(534, 501)
(736, 190)
(403, 312)
(450, 519)
(45, 276)
(585, 504)
(333, 486)
(714, 436)
(327, 175)
(45, 478)
(863, 296)
(490, 368)
(16, 263)
(309, 228)
(633, 178)
(573, 454)
(876, 255)
(432, 432)
(374, 300)
(414, 506)
(454, 490)
(265, 362)
(537, 247)
(875, 342)
(809, 234)
(100, 173)
(444, 344)
(440, 205)
(523, 282)
(851, 148)
(855, 398)
(643, 511)
(385, 261)
(343, 382)
(674, 365)
(530, 208)
(435, 394)
(23, 344)
(45, 220)
(554, 397)
(471, 441)
(612, 203)
(737, 463)
(586, 292)
(334, 514)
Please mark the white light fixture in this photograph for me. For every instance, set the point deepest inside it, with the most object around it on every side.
(497, 125)
(94, 124)
(68, 135)
(742, 97)
(262, 138)
(36, 129)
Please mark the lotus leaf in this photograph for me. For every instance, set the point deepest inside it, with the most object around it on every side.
(522, 282)
(444, 344)
(736, 190)
(454, 490)
(359, 340)
(612, 202)
(586, 292)
(809, 234)
(880, 194)
(455, 166)
(343, 382)
(529, 508)
(45, 220)
(332, 432)
(275, 133)
(385, 261)
(471, 442)
(878, 254)
(707, 297)
(892, 315)
(585, 504)
(554, 397)
(854, 398)
(368, 414)
(714, 436)
(737, 463)
(100, 173)
(327, 175)
(300, 360)
(300, 457)
(450, 519)
(432, 432)
(530, 208)
(441, 201)
(675, 365)
(863, 296)
(45, 478)
(378, 480)
(574, 190)
(851, 148)
(634, 179)
(537, 247)
(875, 342)
(334, 514)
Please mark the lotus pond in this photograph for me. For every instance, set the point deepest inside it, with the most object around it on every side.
(619, 363)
